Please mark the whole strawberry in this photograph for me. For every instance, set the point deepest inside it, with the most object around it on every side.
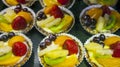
(19, 49)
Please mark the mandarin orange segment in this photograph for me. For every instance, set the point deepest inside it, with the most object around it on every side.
(15, 39)
(111, 40)
(61, 39)
(26, 15)
(50, 2)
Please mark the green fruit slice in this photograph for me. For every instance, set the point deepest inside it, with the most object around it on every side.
(6, 56)
(51, 62)
(2, 19)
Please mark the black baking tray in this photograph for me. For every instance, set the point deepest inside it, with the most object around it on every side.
(77, 31)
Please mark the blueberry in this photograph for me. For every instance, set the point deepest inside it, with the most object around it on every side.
(11, 34)
(101, 43)
(47, 41)
(96, 39)
(18, 8)
(93, 21)
(42, 45)
(87, 23)
(86, 17)
(102, 37)
(25, 9)
(92, 27)
(41, 15)
(4, 38)
(52, 37)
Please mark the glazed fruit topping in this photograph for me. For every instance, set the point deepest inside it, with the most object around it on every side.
(4, 38)
(22, 1)
(25, 9)
(71, 46)
(52, 37)
(11, 34)
(56, 12)
(19, 23)
(42, 45)
(19, 49)
(99, 39)
(47, 41)
(63, 2)
(106, 10)
(18, 8)
(41, 16)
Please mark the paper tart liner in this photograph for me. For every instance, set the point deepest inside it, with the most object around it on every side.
(92, 64)
(24, 58)
(27, 4)
(67, 6)
(80, 53)
(46, 32)
(88, 3)
(31, 24)
(88, 30)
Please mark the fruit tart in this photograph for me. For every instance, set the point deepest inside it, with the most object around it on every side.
(15, 49)
(102, 2)
(103, 50)
(54, 20)
(64, 3)
(17, 18)
(100, 19)
(61, 50)
(16, 2)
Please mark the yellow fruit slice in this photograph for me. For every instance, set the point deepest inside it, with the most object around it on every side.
(5, 27)
(12, 2)
(10, 61)
(61, 39)
(50, 2)
(15, 39)
(111, 40)
(109, 62)
(70, 61)
(26, 15)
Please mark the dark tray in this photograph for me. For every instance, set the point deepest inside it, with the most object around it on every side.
(77, 31)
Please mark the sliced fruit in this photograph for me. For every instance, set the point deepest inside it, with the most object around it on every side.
(93, 46)
(50, 2)
(106, 10)
(5, 27)
(71, 46)
(57, 54)
(100, 24)
(50, 61)
(116, 53)
(63, 2)
(61, 39)
(2, 19)
(111, 40)
(56, 12)
(42, 23)
(19, 23)
(64, 24)
(47, 9)
(6, 56)
(15, 39)
(48, 49)
(12, 2)
(53, 23)
(94, 13)
(109, 62)
(70, 61)
(10, 15)
(26, 15)
(111, 23)
(10, 61)
(19, 49)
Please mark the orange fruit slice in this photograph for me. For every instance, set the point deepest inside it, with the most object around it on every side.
(26, 15)
(50, 2)
(111, 40)
(61, 39)
(15, 39)
(12, 2)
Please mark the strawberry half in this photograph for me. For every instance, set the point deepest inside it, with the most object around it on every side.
(19, 49)
(71, 46)
(63, 2)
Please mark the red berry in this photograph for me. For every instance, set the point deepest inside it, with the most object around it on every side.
(115, 45)
(72, 46)
(19, 23)
(116, 53)
(22, 1)
(19, 49)
(106, 10)
(63, 2)
(56, 12)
